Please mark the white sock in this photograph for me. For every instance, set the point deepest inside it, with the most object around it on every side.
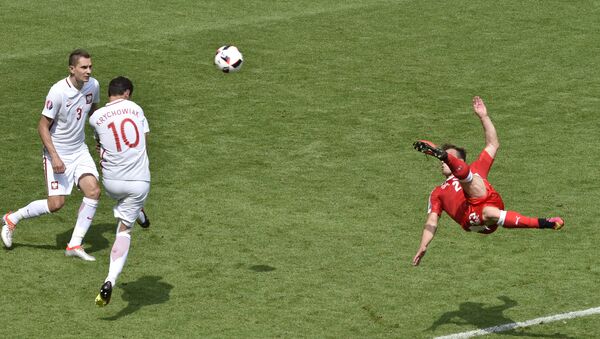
(34, 209)
(502, 218)
(84, 220)
(118, 256)
(469, 178)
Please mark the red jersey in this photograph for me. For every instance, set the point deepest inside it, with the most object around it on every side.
(467, 212)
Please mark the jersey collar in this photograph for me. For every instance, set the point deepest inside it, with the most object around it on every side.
(72, 87)
(114, 102)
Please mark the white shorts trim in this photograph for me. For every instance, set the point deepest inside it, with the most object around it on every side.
(130, 196)
(76, 165)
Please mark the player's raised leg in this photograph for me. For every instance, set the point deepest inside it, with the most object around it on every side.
(512, 219)
(459, 168)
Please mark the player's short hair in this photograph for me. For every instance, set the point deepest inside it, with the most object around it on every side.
(76, 54)
(119, 85)
(462, 153)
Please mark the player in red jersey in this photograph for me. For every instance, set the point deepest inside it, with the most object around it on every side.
(466, 195)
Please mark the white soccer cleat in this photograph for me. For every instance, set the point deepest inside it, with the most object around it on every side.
(78, 251)
(7, 231)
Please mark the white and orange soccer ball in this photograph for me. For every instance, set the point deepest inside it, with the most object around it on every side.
(229, 59)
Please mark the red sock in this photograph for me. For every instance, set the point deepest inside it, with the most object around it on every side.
(513, 219)
(459, 168)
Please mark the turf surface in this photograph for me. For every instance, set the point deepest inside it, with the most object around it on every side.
(286, 199)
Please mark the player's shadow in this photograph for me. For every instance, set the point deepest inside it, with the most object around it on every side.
(94, 240)
(145, 291)
(482, 316)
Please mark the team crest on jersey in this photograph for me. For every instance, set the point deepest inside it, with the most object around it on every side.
(49, 104)
(474, 219)
(88, 98)
(54, 185)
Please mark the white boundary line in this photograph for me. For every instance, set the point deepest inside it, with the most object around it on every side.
(537, 321)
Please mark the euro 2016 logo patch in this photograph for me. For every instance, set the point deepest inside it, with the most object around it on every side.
(49, 104)
(88, 98)
(54, 185)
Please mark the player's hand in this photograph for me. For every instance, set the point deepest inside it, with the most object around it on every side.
(420, 254)
(479, 107)
(58, 166)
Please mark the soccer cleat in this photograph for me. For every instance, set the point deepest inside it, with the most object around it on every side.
(7, 230)
(558, 222)
(103, 297)
(78, 251)
(146, 222)
(430, 148)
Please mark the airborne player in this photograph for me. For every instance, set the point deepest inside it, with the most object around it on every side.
(466, 195)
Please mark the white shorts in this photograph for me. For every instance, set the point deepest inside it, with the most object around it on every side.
(76, 165)
(130, 196)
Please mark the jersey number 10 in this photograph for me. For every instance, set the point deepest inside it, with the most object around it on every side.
(123, 135)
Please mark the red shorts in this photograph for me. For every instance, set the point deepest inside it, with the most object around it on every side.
(473, 217)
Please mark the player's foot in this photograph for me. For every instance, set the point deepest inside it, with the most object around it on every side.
(7, 230)
(430, 148)
(78, 251)
(558, 222)
(146, 222)
(103, 297)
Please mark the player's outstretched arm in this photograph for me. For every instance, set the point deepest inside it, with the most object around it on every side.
(428, 234)
(491, 137)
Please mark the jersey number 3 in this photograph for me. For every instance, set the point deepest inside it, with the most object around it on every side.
(124, 135)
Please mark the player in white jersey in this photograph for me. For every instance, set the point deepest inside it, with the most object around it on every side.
(121, 129)
(66, 158)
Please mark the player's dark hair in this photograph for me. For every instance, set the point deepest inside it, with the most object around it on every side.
(462, 153)
(119, 85)
(76, 54)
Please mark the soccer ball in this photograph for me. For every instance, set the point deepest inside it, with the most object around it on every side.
(229, 59)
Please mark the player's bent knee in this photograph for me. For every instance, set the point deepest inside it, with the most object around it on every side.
(55, 204)
(490, 215)
(90, 186)
(94, 193)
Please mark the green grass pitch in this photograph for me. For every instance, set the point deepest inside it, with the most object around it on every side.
(286, 199)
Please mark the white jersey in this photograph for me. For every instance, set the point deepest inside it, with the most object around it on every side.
(69, 107)
(121, 128)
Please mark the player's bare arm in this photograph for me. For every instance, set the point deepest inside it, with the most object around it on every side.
(428, 234)
(491, 137)
(44, 130)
